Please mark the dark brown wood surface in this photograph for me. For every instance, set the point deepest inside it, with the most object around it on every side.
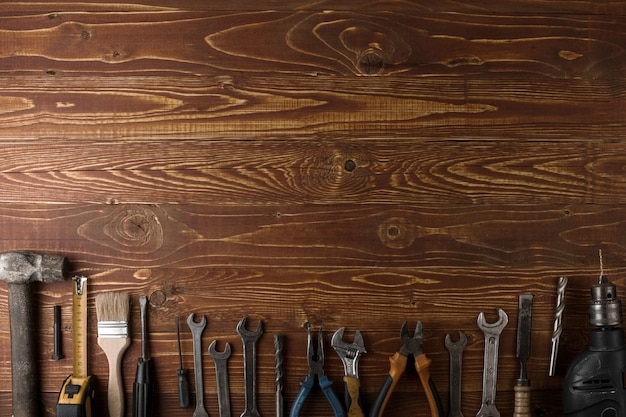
(343, 163)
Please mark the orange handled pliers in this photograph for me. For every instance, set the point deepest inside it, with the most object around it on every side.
(410, 346)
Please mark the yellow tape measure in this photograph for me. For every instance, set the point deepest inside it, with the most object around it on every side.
(77, 391)
(79, 323)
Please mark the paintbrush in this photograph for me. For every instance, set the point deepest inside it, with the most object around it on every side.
(113, 309)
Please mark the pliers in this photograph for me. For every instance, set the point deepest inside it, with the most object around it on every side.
(350, 354)
(410, 346)
(316, 369)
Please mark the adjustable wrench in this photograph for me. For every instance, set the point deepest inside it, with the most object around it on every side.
(350, 354)
(249, 340)
(221, 375)
(196, 331)
(490, 371)
(456, 364)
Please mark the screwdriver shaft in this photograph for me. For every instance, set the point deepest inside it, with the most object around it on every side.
(183, 382)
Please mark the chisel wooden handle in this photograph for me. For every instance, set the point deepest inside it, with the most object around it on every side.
(522, 401)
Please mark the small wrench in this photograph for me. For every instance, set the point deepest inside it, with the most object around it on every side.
(196, 331)
(249, 340)
(490, 371)
(456, 364)
(221, 375)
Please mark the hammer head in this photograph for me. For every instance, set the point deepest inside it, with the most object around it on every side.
(26, 267)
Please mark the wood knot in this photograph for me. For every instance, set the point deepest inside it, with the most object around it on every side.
(371, 62)
(374, 47)
(396, 233)
(135, 227)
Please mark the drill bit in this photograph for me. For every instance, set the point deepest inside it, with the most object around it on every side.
(278, 357)
(558, 326)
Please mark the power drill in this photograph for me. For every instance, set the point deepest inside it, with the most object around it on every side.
(595, 383)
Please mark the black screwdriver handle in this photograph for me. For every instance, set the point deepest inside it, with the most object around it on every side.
(143, 390)
(183, 388)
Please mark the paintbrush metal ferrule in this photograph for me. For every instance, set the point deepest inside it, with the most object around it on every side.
(113, 329)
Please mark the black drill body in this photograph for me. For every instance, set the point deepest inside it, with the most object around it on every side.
(594, 384)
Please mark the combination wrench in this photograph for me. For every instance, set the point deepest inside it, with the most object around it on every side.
(456, 364)
(249, 340)
(221, 375)
(196, 331)
(490, 367)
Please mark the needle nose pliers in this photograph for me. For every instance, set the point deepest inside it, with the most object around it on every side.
(316, 369)
(410, 346)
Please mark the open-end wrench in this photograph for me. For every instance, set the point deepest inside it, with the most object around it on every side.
(221, 375)
(249, 340)
(456, 364)
(490, 371)
(196, 331)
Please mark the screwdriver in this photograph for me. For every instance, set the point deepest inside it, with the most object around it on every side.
(143, 388)
(183, 383)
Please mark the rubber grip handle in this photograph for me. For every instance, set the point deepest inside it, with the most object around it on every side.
(398, 365)
(422, 366)
(352, 396)
(327, 389)
(307, 385)
(522, 401)
(143, 390)
(183, 388)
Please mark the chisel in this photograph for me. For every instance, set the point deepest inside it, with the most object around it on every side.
(522, 384)
(143, 388)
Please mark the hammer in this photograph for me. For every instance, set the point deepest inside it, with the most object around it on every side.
(19, 269)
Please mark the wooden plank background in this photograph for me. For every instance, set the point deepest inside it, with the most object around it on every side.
(346, 163)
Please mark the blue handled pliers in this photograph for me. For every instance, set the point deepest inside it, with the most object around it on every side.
(316, 369)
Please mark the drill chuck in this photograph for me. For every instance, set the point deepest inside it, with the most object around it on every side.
(605, 309)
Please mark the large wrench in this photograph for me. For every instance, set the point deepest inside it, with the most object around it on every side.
(221, 375)
(456, 364)
(490, 371)
(196, 331)
(249, 340)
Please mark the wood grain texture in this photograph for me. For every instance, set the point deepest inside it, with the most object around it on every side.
(326, 42)
(160, 236)
(236, 107)
(327, 172)
(347, 163)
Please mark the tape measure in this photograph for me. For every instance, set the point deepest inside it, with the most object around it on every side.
(78, 389)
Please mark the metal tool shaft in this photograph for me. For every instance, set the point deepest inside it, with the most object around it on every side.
(220, 359)
(456, 364)
(278, 358)
(196, 332)
(492, 333)
(182, 373)
(558, 325)
(249, 340)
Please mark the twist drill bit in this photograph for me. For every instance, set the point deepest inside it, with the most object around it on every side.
(558, 326)
(278, 357)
